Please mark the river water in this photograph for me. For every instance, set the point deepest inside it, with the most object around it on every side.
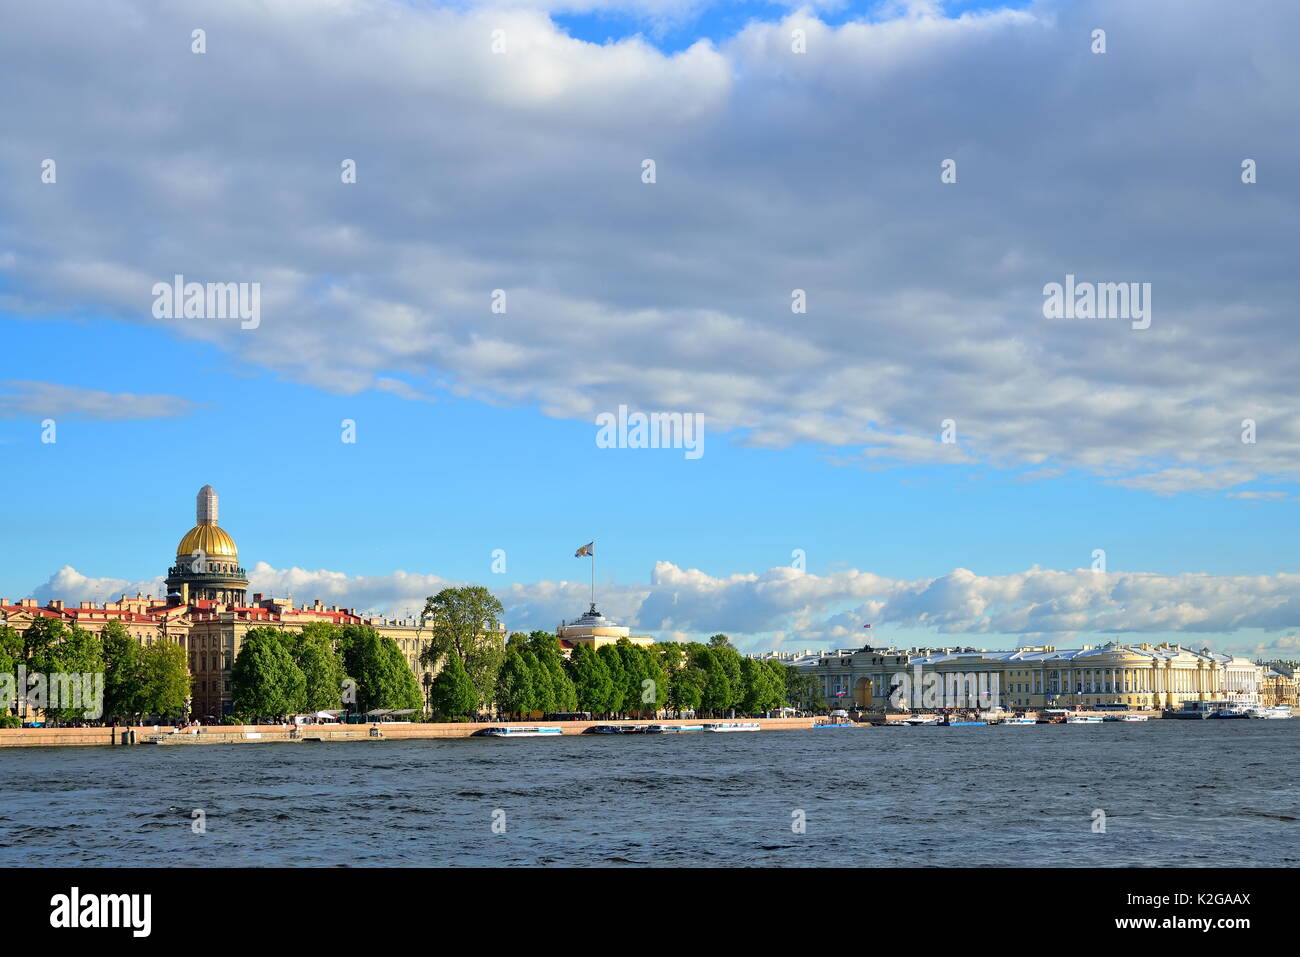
(1208, 793)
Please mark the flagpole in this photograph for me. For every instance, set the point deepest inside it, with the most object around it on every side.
(593, 574)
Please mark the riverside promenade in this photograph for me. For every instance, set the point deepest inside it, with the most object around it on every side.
(314, 733)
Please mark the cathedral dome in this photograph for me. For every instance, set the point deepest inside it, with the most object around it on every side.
(206, 536)
(212, 540)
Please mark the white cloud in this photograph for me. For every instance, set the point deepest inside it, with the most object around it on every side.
(40, 399)
(800, 609)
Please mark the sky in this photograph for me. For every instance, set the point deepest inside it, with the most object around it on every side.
(920, 448)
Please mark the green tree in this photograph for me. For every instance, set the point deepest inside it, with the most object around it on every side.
(164, 679)
(764, 689)
(453, 695)
(546, 649)
(653, 670)
(75, 653)
(466, 621)
(778, 683)
(515, 694)
(540, 676)
(591, 680)
(617, 696)
(376, 663)
(123, 695)
(264, 681)
(717, 694)
(314, 652)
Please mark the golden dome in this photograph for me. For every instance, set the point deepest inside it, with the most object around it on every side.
(212, 540)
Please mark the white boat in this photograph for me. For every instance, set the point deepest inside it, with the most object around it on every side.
(1082, 719)
(672, 728)
(1123, 716)
(521, 732)
(1018, 719)
(1233, 711)
(1276, 711)
(734, 726)
(921, 719)
(1134, 717)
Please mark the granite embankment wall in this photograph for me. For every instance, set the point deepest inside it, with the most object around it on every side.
(253, 734)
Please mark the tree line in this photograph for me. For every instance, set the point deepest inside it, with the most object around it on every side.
(150, 679)
(328, 667)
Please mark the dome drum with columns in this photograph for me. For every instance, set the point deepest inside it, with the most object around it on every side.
(207, 562)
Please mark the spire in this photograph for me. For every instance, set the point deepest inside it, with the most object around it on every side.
(205, 510)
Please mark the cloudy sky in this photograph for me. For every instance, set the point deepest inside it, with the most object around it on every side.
(501, 146)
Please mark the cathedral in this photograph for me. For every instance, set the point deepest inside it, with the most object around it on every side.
(207, 562)
(207, 612)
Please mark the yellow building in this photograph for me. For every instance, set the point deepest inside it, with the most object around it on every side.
(1276, 687)
(206, 612)
(1137, 676)
(595, 630)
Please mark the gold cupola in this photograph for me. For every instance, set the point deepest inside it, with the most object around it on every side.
(207, 536)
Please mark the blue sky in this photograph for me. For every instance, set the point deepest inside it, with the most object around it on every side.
(475, 432)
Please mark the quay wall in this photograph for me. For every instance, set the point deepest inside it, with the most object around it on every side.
(391, 731)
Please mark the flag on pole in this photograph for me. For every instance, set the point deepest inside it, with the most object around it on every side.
(585, 550)
(866, 626)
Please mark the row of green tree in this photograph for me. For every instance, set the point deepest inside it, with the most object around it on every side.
(323, 667)
(527, 674)
(151, 679)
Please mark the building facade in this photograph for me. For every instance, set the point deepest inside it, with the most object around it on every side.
(1136, 676)
(208, 614)
(595, 630)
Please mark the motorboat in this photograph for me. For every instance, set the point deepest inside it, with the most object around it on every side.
(1018, 719)
(1274, 711)
(1082, 719)
(921, 719)
(1231, 712)
(734, 726)
(519, 732)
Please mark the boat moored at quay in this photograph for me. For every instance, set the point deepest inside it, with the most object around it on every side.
(734, 726)
(516, 732)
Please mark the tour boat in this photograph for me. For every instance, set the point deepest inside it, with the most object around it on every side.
(921, 719)
(1134, 717)
(1019, 719)
(837, 724)
(1082, 719)
(1052, 716)
(520, 732)
(605, 729)
(735, 726)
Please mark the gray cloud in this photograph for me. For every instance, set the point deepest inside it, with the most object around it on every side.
(775, 171)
